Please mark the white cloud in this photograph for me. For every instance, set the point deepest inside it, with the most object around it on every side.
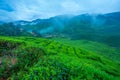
(33, 9)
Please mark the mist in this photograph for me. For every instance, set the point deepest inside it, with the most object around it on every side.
(12, 10)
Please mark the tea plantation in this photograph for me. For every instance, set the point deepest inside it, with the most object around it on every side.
(30, 58)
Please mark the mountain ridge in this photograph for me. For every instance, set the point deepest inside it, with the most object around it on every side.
(101, 27)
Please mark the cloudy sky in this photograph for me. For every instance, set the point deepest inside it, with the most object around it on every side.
(11, 10)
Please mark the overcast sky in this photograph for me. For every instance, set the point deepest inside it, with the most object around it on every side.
(11, 10)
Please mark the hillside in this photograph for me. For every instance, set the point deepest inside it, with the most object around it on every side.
(45, 59)
(9, 29)
(94, 47)
(103, 28)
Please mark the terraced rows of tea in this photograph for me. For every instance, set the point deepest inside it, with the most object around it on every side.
(30, 58)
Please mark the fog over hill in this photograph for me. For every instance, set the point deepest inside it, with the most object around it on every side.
(59, 39)
(12, 10)
(95, 27)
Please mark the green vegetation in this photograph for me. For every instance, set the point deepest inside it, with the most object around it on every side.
(94, 47)
(9, 29)
(29, 58)
(104, 28)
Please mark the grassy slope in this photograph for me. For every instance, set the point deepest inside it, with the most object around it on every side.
(43, 59)
(95, 47)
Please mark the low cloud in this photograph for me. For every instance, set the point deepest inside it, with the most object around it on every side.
(11, 10)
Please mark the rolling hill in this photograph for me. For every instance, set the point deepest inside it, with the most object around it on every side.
(65, 47)
(94, 27)
(45, 59)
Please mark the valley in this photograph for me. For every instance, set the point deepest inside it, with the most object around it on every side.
(82, 47)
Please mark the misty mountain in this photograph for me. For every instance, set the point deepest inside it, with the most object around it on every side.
(101, 21)
(9, 29)
(96, 27)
